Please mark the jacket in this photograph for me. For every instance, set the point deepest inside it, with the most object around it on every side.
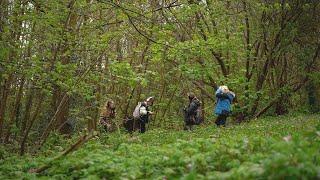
(224, 101)
(192, 113)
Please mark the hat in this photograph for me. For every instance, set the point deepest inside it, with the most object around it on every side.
(224, 88)
(150, 98)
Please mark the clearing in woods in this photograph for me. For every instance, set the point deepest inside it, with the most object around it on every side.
(289, 144)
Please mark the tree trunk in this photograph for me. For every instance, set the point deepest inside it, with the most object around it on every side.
(26, 132)
(15, 109)
(3, 103)
(27, 113)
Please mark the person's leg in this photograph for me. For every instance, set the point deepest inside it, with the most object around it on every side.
(142, 127)
(187, 123)
(143, 124)
(223, 120)
(218, 120)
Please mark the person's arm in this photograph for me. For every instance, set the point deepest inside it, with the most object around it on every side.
(222, 95)
(149, 112)
(190, 108)
(231, 95)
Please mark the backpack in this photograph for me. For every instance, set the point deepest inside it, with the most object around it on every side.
(193, 106)
(136, 112)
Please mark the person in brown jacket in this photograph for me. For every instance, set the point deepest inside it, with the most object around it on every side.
(107, 116)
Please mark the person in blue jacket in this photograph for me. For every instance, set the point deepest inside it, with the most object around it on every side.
(223, 107)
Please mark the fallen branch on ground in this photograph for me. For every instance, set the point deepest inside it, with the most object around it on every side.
(72, 148)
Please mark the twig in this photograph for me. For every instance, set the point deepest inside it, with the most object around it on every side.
(204, 91)
(145, 36)
(171, 5)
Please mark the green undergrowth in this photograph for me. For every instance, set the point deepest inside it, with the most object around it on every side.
(269, 148)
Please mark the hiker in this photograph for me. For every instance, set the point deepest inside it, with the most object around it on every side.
(142, 113)
(223, 107)
(192, 113)
(107, 115)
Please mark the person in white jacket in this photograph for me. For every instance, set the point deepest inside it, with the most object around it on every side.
(145, 113)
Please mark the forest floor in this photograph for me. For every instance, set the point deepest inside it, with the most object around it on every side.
(286, 147)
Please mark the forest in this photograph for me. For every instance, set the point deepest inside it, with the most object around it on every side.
(102, 89)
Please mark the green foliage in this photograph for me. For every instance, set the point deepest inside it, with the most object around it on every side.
(273, 148)
(94, 51)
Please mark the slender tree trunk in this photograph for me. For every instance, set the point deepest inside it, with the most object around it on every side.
(15, 109)
(28, 106)
(3, 102)
(30, 124)
(203, 113)
(168, 107)
(159, 101)
(248, 51)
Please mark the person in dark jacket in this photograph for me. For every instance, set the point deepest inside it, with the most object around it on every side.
(192, 113)
(145, 112)
(223, 107)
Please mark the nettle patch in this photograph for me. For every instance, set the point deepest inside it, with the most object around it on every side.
(275, 148)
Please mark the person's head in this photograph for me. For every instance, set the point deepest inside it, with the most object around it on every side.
(150, 101)
(191, 96)
(224, 89)
(110, 104)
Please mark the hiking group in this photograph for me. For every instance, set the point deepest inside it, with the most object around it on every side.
(192, 112)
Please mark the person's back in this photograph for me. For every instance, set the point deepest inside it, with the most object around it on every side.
(107, 116)
(144, 113)
(223, 107)
(192, 112)
(223, 102)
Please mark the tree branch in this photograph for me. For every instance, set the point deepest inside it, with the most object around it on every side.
(72, 148)
(171, 5)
